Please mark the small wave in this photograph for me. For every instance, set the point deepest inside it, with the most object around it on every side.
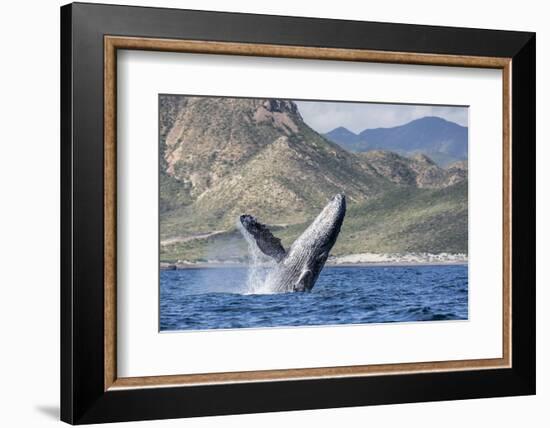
(442, 317)
(419, 309)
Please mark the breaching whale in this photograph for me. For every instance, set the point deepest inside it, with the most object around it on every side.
(298, 268)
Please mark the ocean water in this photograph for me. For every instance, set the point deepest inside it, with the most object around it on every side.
(220, 298)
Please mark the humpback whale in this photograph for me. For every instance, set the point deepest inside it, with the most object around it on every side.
(298, 268)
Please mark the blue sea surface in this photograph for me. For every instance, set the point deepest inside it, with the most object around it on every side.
(215, 298)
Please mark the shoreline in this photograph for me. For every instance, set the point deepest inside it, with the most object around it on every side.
(399, 264)
(229, 265)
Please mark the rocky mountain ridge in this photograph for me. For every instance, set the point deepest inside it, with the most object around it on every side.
(222, 157)
(443, 141)
(419, 170)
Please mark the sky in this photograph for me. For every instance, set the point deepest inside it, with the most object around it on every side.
(324, 116)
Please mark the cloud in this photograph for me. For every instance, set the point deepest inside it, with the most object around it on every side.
(324, 116)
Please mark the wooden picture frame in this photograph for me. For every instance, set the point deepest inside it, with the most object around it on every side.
(91, 390)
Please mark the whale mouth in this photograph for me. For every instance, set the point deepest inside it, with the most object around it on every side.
(333, 214)
(340, 197)
(327, 225)
(340, 201)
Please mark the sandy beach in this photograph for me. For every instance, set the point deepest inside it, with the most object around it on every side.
(351, 260)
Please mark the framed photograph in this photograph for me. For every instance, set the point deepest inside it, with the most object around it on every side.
(265, 213)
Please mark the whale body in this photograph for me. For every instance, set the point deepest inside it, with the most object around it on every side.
(298, 268)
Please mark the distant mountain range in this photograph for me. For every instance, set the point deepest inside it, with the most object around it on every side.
(443, 141)
(223, 157)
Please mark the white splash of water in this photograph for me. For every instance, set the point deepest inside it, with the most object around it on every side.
(259, 266)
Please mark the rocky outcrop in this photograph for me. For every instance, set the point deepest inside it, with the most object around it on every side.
(419, 171)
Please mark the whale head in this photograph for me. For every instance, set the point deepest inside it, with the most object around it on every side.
(308, 254)
(321, 234)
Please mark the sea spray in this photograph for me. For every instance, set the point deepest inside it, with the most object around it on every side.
(220, 253)
(259, 266)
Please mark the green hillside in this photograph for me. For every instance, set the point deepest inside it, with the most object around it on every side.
(400, 221)
(223, 157)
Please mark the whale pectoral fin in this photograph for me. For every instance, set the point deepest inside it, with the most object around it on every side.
(267, 243)
(305, 282)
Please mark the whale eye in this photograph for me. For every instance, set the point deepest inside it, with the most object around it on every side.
(322, 256)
